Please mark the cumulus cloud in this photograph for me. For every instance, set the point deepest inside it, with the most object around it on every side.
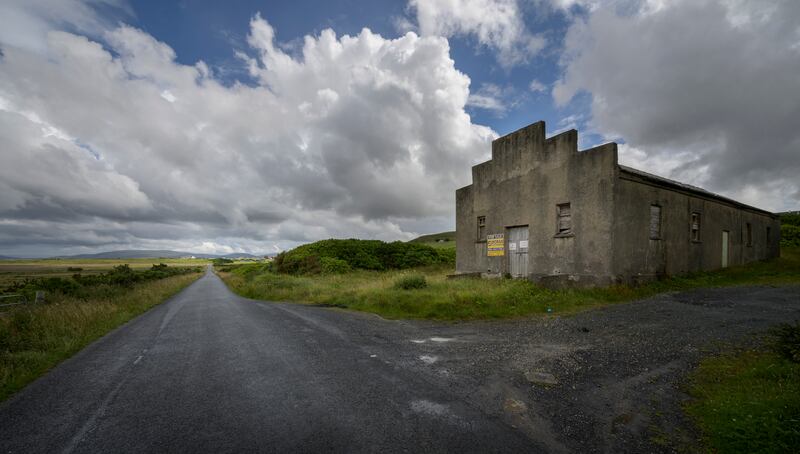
(496, 24)
(703, 91)
(111, 143)
(25, 23)
(490, 97)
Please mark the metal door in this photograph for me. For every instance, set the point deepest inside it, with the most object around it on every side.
(724, 248)
(518, 251)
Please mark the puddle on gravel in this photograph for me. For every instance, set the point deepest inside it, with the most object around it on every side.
(429, 408)
(428, 359)
(514, 406)
(433, 339)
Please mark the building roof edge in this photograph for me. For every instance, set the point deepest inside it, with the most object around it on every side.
(687, 187)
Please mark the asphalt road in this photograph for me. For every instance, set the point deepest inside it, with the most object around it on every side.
(209, 371)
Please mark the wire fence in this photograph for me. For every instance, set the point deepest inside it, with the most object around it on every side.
(5, 298)
(21, 299)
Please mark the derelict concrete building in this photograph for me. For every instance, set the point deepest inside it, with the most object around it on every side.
(540, 209)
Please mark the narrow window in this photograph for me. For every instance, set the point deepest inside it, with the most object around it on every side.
(564, 226)
(748, 232)
(655, 222)
(695, 226)
(481, 228)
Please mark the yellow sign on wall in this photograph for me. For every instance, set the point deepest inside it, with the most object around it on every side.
(495, 245)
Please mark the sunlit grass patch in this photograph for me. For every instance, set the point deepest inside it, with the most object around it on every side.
(747, 402)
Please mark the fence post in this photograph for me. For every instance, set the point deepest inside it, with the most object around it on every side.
(40, 296)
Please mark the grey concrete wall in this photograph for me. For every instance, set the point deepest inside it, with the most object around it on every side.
(522, 184)
(529, 175)
(639, 258)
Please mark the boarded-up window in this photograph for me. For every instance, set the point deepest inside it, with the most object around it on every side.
(481, 228)
(655, 222)
(748, 233)
(564, 226)
(695, 227)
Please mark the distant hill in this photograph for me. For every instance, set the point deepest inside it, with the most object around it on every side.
(161, 254)
(4, 257)
(443, 240)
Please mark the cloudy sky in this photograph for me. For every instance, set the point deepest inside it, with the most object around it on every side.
(254, 126)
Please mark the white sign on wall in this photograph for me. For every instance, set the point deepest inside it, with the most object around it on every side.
(523, 244)
(512, 246)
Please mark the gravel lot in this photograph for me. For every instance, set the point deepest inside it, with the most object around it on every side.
(606, 380)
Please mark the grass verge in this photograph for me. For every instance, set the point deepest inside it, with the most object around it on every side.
(33, 339)
(747, 401)
(465, 299)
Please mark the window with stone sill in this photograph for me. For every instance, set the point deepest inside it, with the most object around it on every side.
(655, 222)
(481, 228)
(564, 224)
(695, 227)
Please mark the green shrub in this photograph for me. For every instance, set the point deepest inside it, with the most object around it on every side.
(786, 341)
(57, 285)
(790, 235)
(791, 218)
(359, 254)
(411, 282)
(447, 255)
(330, 265)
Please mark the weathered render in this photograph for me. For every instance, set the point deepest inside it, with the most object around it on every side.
(590, 221)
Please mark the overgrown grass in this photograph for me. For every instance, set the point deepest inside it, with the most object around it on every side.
(747, 402)
(413, 282)
(34, 338)
(464, 299)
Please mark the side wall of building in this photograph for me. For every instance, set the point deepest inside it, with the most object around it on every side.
(527, 178)
(638, 257)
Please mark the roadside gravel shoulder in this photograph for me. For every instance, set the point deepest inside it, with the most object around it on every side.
(605, 380)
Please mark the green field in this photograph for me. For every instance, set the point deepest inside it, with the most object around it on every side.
(18, 270)
(445, 240)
